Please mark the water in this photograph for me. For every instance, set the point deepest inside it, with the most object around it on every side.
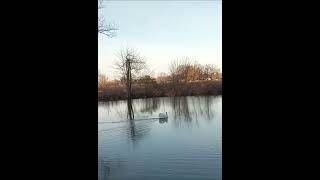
(186, 146)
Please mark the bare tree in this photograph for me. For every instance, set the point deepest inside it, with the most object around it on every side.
(107, 29)
(173, 69)
(130, 64)
(210, 71)
(102, 85)
(175, 75)
(102, 81)
(162, 78)
(183, 70)
(179, 69)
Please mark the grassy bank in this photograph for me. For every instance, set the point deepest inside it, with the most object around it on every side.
(198, 88)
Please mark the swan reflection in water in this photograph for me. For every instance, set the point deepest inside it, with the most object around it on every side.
(163, 120)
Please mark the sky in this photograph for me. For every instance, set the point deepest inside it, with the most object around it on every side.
(162, 31)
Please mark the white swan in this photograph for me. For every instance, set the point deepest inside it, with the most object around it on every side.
(163, 115)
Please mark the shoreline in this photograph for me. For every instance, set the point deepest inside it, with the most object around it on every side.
(209, 88)
(122, 99)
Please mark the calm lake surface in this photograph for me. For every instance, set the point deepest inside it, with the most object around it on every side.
(186, 146)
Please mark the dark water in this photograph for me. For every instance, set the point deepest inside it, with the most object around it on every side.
(186, 146)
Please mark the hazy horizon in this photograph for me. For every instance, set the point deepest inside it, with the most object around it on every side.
(162, 32)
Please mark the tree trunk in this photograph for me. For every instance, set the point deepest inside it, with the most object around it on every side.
(129, 89)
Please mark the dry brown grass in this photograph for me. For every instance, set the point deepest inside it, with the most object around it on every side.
(197, 88)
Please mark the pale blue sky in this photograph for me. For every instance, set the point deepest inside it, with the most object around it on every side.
(163, 31)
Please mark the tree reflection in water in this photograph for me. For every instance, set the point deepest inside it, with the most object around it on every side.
(189, 109)
(150, 105)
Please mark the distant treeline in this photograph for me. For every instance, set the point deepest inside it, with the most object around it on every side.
(184, 79)
(118, 92)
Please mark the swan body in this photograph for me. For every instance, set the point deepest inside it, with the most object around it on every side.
(163, 115)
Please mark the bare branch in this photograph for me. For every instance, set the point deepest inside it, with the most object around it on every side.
(106, 29)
